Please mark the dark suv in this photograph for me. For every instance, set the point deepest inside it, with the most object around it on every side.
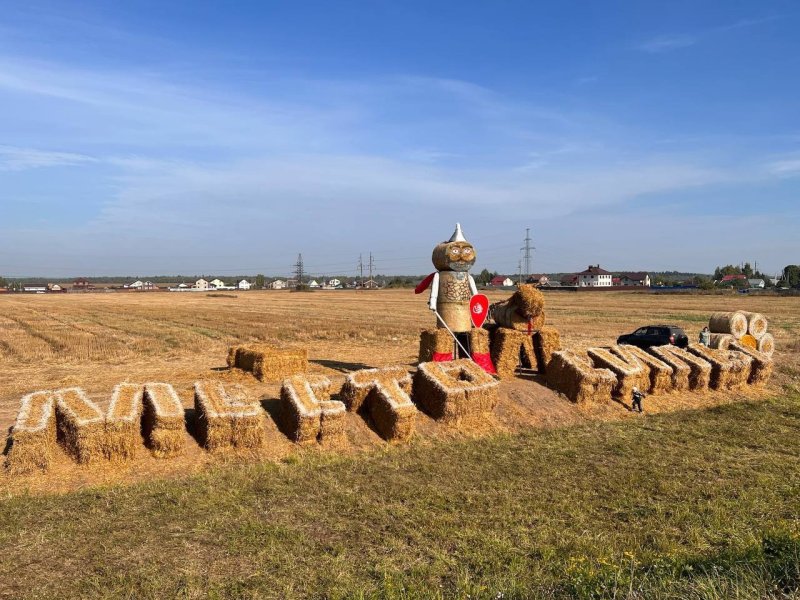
(655, 335)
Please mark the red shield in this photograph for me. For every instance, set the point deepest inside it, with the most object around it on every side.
(478, 309)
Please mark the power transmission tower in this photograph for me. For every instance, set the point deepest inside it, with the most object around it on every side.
(371, 264)
(519, 269)
(298, 271)
(360, 271)
(527, 248)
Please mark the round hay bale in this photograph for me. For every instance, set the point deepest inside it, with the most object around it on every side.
(734, 323)
(756, 324)
(749, 341)
(721, 341)
(766, 344)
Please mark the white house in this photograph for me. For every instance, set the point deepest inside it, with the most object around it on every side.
(216, 283)
(334, 283)
(182, 286)
(756, 283)
(639, 278)
(137, 285)
(245, 285)
(594, 276)
(278, 284)
(313, 284)
(201, 284)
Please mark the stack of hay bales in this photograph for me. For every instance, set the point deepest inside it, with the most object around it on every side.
(81, 425)
(436, 344)
(267, 363)
(659, 373)
(307, 413)
(225, 421)
(163, 421)
(124, 422)
(761, 367)
(384, 393)
(33, 435)
(746, 328)
(630, 371)
(729, 370)
(455, 391)
(689, 372)
(575, 377)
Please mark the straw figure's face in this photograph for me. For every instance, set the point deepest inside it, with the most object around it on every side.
(454, 256)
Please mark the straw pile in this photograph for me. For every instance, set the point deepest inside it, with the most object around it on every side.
(734, 323)
(124, 422)
(756, 324)
(680, 369)
(268, 363)
(573, 375)
(630, 372)
(729, 370)
(660, 373)
(224, 420)
(307, 413)
(721, 341)
(749, 341)
(766, 345)
(761, 366)
(523, 311)
(81, 425)
(454, 391)
(510, 349)
(163, 422)
(358, 384)
(33, 435)
(384, 394)
(545, 341)
(435, 344)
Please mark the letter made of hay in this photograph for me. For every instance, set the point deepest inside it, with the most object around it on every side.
(384, 393)
(435, 344)
(81, 425)
(545, 341)
(124, 422)
(307, 413)
(689, 372)
(630, 371)
(523, 311)
(454, 391)
(164, 421)
(267, 363)
(225, 420)
(660, 372)
(512, 349)
(729, 370)
(761, 366)
(576, 378)
(33, 435)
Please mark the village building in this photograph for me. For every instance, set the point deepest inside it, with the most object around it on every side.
(244, 285)
(731, 279)
(637, 278)
(313, 283)
(37, 287)
(216, 283)
(501, 281)
(81, 283)
(756, 284)
(278, 284)
(594, 276)
(537, 279)
(201, 284)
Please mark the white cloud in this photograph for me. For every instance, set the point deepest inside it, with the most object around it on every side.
(20, 159)
(665, 43)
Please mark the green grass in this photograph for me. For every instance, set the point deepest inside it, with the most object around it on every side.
(701, 504)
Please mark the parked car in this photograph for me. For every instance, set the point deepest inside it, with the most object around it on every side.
(655, 335)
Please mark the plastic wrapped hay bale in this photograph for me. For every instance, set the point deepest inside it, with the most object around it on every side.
(734, 323)
(33, 435)
(576, 378)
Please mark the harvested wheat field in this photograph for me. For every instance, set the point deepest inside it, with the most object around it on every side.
(96, 341)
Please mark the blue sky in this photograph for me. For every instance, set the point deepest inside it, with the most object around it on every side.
(201, 137)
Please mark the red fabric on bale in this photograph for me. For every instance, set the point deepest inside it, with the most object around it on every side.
(442, 356)
(484, 361)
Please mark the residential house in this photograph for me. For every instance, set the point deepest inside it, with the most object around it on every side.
(501, 281)
(81, 283)
(537, 279)
(756, 284)
(278, 284)
(245, 285)
(136, 285)
(371, 284)
(54, 287)
(594, 276)
(201, 284)
(216, 283)
(569, 280)
(731, 279)
(37, 287)
(313, 284)
(183, 286)
(334, 283)
(638, 278)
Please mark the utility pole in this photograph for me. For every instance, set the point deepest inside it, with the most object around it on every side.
(519, 269)
(371, 264)
(360, 271)
(298, 271)
(527, 248)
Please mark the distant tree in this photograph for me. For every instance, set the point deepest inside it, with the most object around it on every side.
(791, 276)
(3, 282)
(260, 281)
(747, 270)
(485, 276)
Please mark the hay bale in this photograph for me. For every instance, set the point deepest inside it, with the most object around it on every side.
(510, 349)
(478, 341)
(631, 373)
(660, 373)
(267, 363)
(749, 341)
(688, 371)
(307, 413)
(226, 419)
(231, 359)
(766, 345)
(81, 425)
(734, 323)
(384, 394)
(358, 384)
(760, 367)
(164, 421)
(33, 435)
(729, 370)
(435, 344)
(523, 311)
(454, 391)
(545, 341)
(574, 376)
(756, 324)
(124, 422)
(721, 341)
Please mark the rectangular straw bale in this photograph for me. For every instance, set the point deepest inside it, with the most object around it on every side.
(164, 420)
(358, 384)
(546, 341)
(124, 422)
(81, 425)
(231, 360)
(729, 370)
(478, 341)
(268, 363)
(760, 367)
(452, 391)
(511, 349)
(392, 411)
(307, 413)
(33, 435)
(699, 374)
(631, 373)
(574, 376)
(660, 372)
(225, 420)
(434, 341)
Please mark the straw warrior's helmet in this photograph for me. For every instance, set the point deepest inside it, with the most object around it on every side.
(456, 254)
